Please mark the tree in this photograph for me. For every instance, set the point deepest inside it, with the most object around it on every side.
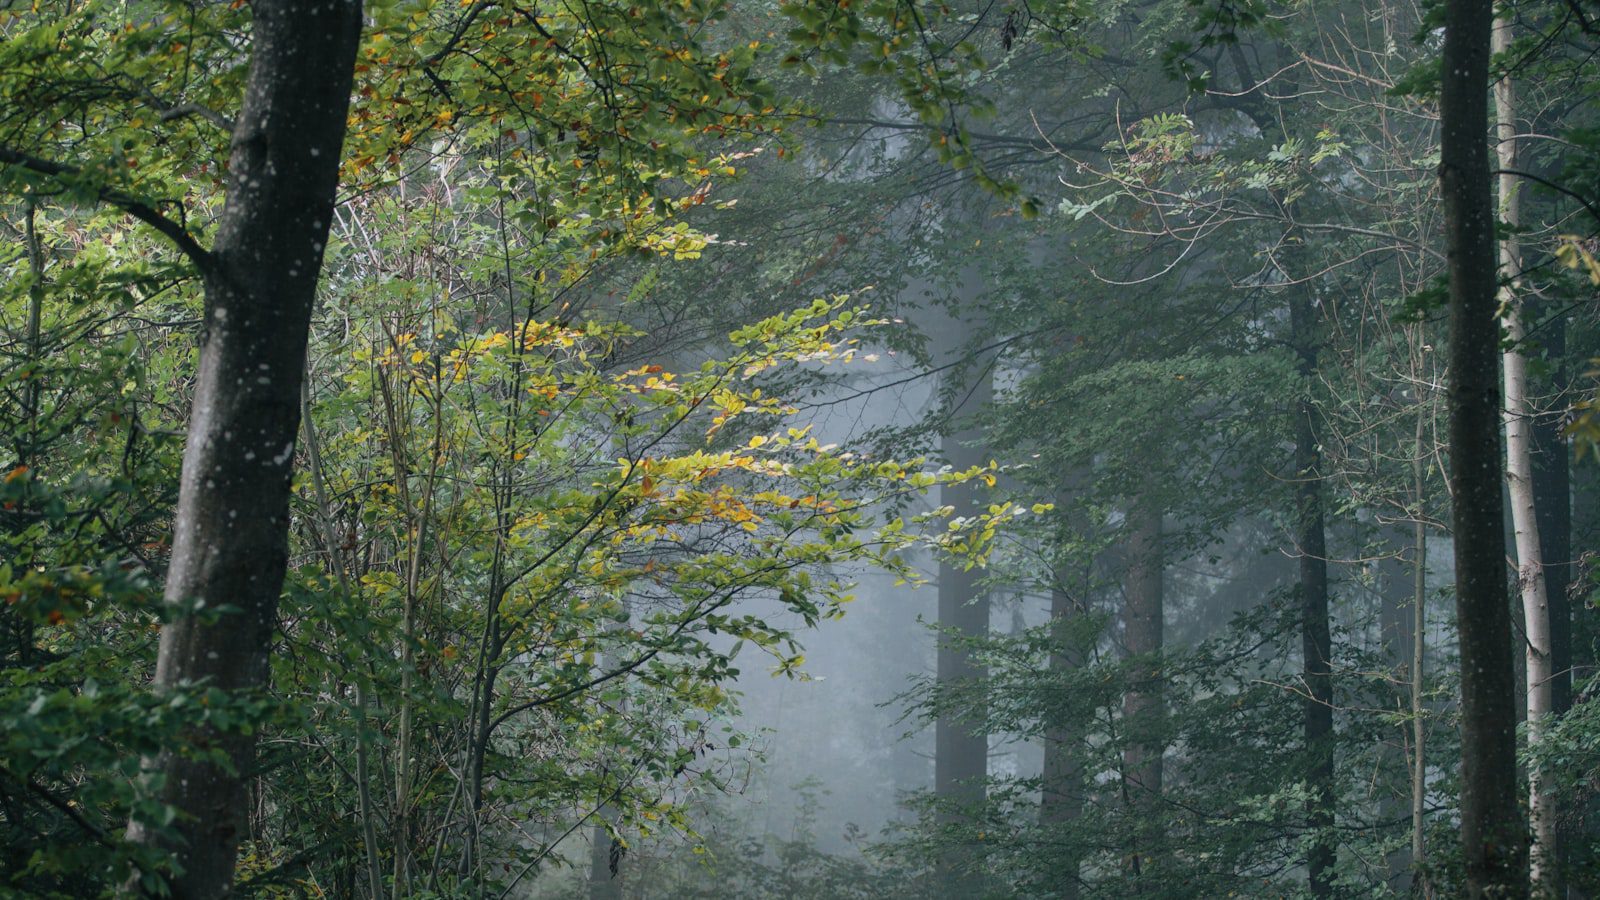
(260, 278)
(1492, 832)
(1519, 425)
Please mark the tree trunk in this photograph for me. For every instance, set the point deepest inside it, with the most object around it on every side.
(342, 572)
(961, 745)
(1394, 584)
(605, 852)
(27, 440)
(1143, 706)
(1061, 778)
(28, 444)
(1492, 834)
(415, 527)
(231, 529)
(1552, 502)
(1315, 632)
(605, 861)
(1519, 414)
(1419, 635)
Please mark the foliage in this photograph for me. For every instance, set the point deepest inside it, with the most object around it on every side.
(561, 490)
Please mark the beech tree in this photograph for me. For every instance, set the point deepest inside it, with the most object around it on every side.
(260, 276)
(1492, 832)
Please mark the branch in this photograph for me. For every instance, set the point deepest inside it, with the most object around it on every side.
(1584, 24)
(982, 137)
(195, 109)
(133, 206)
(1587, 203)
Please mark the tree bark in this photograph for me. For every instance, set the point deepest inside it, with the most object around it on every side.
(1143, 705)
(1394, 585)
(961, 745)
(231, 528)
(1419, 635)
(1062, 776)
(1419, 730)
(1519, 415)
(27, 446)
(1552, 502)
(1492, 832)
(605, 872)
(1315, 631)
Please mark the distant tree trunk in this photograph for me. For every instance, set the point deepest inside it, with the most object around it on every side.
(231, 529)
(26, 441)
(961, 745)
(1061, 797)
(605, 869)
(1395, 592)
(1584, 825)
(1143, 705)
(1419, 731)
(1315, 631)
(1492, 834)
(1419, 635)
(605, 853)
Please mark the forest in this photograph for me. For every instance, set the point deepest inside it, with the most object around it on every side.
(800, 449)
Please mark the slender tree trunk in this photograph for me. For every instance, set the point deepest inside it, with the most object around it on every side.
(400, 830)
(1519, 417)
(33, 393)
(1394, 584)
(1315, 631)
(231, 529)
(482, 725)
(1552, 500)
(416, 536)
(605, 853)
(1419, 636)
(1143, 705)
(1584, 848)
(341, 571)
(1492, 831)
(27, 443)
